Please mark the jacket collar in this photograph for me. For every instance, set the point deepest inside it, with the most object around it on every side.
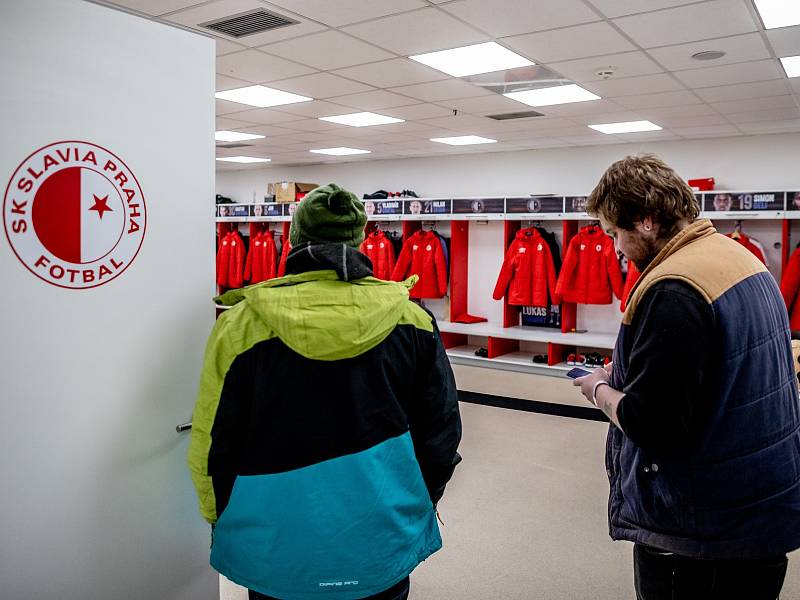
(347, 262)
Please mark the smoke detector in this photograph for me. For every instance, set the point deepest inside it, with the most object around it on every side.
(605, 72)
(708, 55)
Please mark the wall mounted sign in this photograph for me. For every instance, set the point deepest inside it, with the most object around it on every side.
(727, 202)
(426, 207)
(479, 206)
(535, 204)
(74, 214)
(575, 204)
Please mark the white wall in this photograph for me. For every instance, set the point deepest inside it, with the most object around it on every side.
(96, 497)
(736, 162)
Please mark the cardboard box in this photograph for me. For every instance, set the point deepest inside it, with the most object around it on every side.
(292, 191)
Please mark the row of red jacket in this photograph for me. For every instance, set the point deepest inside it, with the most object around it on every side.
(422, 255)
(589, 275)
(235, 266)
(378, 248)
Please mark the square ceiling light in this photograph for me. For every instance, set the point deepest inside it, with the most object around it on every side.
(626, 127)
(791, 64)
(473, 60)
(361, 119)
(778, 13)
(340, 151)
(243, 159)
(464, 140)
(235, 136)
(261, 96)
(560, 94)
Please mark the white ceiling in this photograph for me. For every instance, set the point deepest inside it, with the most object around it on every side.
(351, 55)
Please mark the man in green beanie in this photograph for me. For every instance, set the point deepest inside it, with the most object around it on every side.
(327, 422)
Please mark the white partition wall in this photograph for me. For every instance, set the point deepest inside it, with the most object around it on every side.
(107, 269)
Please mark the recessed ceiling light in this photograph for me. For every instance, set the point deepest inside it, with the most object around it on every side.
(626, 127)
(560, 94)
(791, 64)
(708, 55)
(243, 159)
(361, 119)
(261, 96)
(340, 151)
(473, 60)
(235, 136)
(778, 13)
(464, 140)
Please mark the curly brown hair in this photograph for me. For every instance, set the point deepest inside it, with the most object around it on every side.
(642, 186)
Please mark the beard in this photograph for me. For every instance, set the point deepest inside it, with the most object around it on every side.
(646, 251)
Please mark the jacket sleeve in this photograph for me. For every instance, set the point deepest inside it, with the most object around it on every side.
(222, 263)
(433, 415)
(614, 271)
(569, 266)
(506, 273)
(552, 281)
(403, 262)
(390, 258)
(286, 247)
(441, 268)
(271, 258)
(790, 282)
(236, 263)
(248, 264)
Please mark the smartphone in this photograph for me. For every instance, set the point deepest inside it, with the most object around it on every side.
(577, 372)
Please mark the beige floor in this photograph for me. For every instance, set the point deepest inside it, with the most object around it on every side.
(525, 514)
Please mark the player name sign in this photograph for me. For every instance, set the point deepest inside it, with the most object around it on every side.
(74, 214)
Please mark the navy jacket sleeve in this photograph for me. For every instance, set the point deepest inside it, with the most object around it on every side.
(433, 415)
(665, 408)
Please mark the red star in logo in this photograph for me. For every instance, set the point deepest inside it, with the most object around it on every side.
(101, 205)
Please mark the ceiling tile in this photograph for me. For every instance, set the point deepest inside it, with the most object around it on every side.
(417, 111)
(740, 48)
(264, 116)
(320, 85)
(688, 121)
(511, 17)
(617, 117)
(582, 108)
(223, 82)
(459, 123)
(588, 138)
(392, 73)
(156, 7)
(271, 130)
(226, 47)
(771, 127)
(226, 124)
(313, 110)
(785, 41)
(744, 91)
(619, 8)
(224, 107)
(594, 39)
(628, 64)
(759, 70)
(646, 136)
(777, 114)
(611, 88)
(344, 12)
(218, 9)
(658, 100)
(257, 67)
(416, 32)
(374, 100)
(487, 105)
(327, 50)
(689, 110)
(706, 131)
(717, 18)
(756, 104)
(315, 125)
(442, 90)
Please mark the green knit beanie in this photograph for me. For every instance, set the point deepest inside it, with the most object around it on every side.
(328, 214)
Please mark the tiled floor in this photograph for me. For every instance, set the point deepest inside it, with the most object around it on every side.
(525, 515)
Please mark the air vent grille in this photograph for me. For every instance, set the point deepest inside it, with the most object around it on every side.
(248, 23)
(516, 115)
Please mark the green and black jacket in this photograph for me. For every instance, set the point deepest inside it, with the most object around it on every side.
(325, 430)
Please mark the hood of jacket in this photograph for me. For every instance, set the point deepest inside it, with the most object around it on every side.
(527, 234)
(329, 307)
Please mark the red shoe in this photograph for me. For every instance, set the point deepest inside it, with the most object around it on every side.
(571, 359)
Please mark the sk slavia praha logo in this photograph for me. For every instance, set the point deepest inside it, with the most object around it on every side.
(74, 214)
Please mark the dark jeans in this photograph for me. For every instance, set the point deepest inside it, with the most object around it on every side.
(398, 591)
(659, 576)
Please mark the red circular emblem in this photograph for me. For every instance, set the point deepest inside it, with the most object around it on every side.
(74, 214)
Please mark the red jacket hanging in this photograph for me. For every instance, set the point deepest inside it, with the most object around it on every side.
(230, 260)
(745, 241)
(285, 249)
(422, 255)
(630, 281)
(528, 276)
(790, 286)
(378, 248)
(591, 270)
(261, 259)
